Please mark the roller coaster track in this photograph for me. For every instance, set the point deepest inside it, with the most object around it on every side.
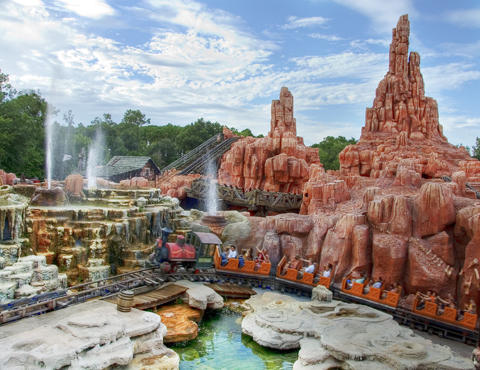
(192, 154)
(449, 179)
(200, 165)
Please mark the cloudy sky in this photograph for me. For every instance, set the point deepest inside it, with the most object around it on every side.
(225, 60)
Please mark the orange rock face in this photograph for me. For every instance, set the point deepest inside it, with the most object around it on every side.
(181, 322)
(387, 212)
(279, 162)
(175, 187)
(403, 123)
(74, 184)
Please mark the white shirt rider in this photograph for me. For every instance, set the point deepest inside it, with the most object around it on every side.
(310, 269)
(232, 254)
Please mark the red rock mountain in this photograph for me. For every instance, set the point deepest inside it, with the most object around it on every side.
(404, 123)
(278, 162)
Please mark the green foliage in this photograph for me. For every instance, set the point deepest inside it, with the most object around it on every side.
(22, 133)
(476, 149)
(245, 133)
(330, 148)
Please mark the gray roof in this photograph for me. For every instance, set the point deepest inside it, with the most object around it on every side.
(122, 164)
(208, 238)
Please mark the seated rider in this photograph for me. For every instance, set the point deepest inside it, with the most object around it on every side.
(327, 270)
(361, 280)
(286, 266)
(249, 255)
(424, 298)
(263, 256)
(378, 283)
(258, 264)
(224, 259)
(357, 278)
(310, 268)
(241, 259)
(232, 253)
(471, 307)
(297, 263)
(366, 290)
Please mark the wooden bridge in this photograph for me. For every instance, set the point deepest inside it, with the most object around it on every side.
(154, 298)
(251, 199)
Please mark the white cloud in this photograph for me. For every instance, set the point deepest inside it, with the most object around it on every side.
(460, 129)
(467, 50)
(383, 14)
(331, 38)
(465, 18)
(362, 44)
(87, 8)
(448, 77)
(294, 22)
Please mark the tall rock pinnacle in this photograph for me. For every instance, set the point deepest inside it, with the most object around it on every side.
(402, 123)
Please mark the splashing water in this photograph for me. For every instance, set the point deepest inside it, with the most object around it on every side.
(48, 145)
(212, 199)
(95, 157)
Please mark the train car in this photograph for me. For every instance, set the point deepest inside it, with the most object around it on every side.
(307, 278)
(449, 315)
(233, 267)
(196, 251)
(374, 294)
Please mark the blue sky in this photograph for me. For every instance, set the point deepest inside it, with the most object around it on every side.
(225, 61)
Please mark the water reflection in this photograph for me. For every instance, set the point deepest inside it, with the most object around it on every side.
(221, 345)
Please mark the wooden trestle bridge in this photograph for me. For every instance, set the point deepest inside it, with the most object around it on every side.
(252, 200)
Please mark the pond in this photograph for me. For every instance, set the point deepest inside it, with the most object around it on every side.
(221, 345)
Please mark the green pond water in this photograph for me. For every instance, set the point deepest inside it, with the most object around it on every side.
(221, 345)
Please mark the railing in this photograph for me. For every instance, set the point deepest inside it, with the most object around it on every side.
(449, 179)
(250, 199)
(201, 163)
(193, 153)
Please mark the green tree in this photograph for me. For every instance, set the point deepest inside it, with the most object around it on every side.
(196, 133)
(476, 149)
(163, 152)
(330, 148)
(22, 133)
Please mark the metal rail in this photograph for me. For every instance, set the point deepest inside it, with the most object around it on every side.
(449, 179)
(185, 159)
(201, 163)
(252, 199)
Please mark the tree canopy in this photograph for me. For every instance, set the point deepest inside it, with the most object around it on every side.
(23, 117)
(329, 149)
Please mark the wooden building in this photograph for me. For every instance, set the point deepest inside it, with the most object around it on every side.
(126, 167)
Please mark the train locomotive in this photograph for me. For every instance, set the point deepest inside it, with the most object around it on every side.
(193, 252)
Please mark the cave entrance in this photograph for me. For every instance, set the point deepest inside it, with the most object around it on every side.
(7, 235)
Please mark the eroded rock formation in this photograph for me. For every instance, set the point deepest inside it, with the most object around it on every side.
(333, 334)
(279, 162)
(93, 335)
(403, 123)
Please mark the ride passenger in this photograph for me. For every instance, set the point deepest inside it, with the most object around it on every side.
(297, 263)
(378, 283)
(241, 259)
(366, 290)
(327, 270)
(249, 255)
(310, 269)
(263, 256)
(286, 266)
(471, 307)
(232, 253)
